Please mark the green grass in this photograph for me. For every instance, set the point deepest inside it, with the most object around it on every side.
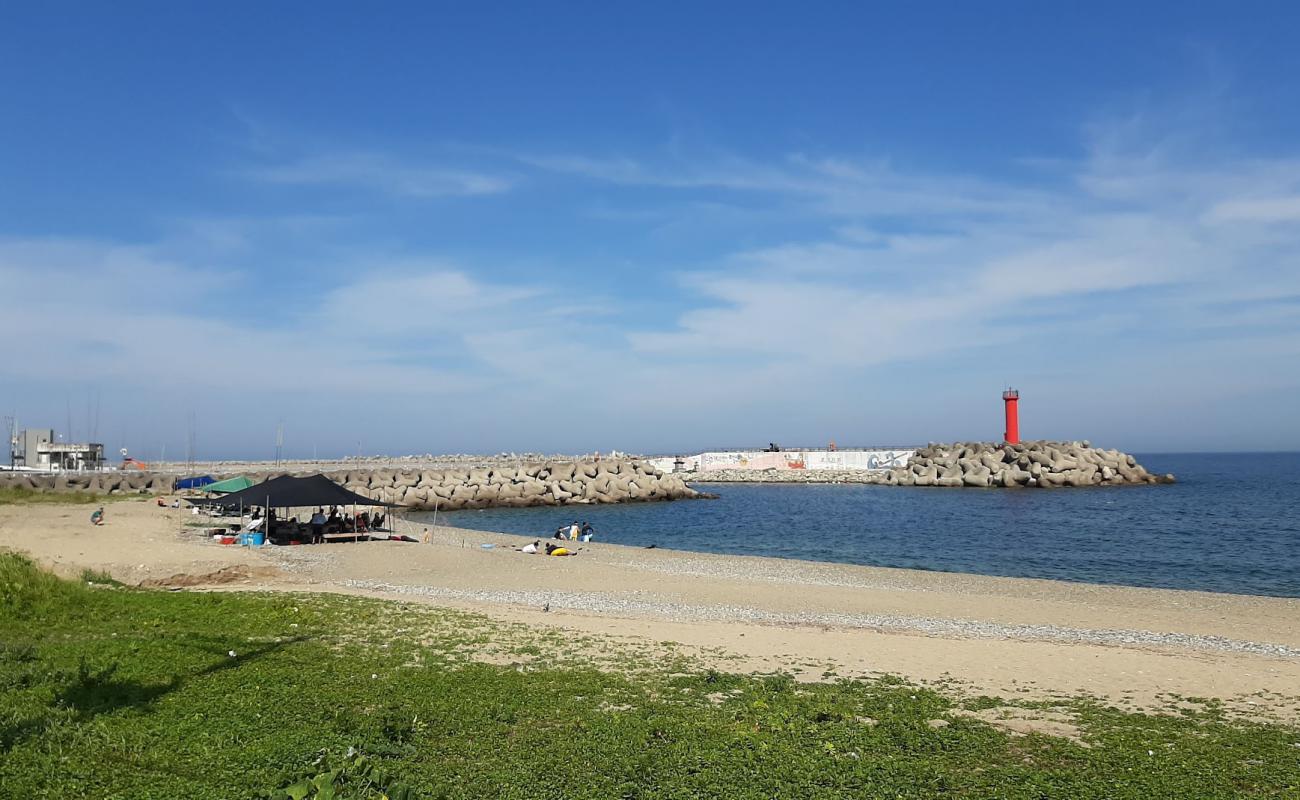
(13, 495)
(111, 692)
(99, 577)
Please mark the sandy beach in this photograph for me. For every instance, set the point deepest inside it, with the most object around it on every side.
(1016, 638)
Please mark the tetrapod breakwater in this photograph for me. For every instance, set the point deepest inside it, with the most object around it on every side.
(549, 483)
(1041, 464)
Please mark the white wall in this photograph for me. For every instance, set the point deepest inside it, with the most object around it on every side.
(792, 459)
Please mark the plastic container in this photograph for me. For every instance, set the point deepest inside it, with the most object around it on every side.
(227, 539)
(256, 539)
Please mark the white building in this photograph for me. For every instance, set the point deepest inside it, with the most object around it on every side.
(41, 450)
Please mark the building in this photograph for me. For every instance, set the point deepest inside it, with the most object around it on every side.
(40, 450)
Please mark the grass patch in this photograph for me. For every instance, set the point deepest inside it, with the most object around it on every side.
(99, 577)
(14, 495)
(146, 694)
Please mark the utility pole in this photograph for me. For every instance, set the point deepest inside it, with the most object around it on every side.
(11, 429)
(279, 442)
(191, 443)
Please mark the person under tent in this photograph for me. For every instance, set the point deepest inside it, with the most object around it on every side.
(318, 526)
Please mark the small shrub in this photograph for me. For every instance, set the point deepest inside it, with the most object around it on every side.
(99, 577)
(350, 777)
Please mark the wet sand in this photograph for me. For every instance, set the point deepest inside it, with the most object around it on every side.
(1008, 637)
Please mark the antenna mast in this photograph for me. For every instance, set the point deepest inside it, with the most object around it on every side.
(11, 428)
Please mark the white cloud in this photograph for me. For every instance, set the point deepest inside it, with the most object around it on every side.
(1120, 248)
(99, 311)
(1268, 209)
(385, 174)
(1129, 264)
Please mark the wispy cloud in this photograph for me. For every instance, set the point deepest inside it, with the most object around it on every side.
(1134, 262)
(384, 174)
(1266, 209)
(137, 307)
(1118, 246)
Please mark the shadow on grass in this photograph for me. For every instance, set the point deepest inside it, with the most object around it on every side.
(96, 691)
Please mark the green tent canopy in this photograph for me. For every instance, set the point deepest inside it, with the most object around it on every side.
(229, 485)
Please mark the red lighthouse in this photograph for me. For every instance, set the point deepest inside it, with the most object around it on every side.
(1011, 399)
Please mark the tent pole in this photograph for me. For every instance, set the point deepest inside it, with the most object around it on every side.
(435, 519)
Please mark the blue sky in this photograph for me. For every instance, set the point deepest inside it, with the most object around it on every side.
(461, 227)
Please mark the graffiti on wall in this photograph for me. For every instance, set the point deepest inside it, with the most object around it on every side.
(801, 459)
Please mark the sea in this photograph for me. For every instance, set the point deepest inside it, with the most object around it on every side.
(1230, 524)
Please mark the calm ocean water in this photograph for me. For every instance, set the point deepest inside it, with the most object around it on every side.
(1231, 524)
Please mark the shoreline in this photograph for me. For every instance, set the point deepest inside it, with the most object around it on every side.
(1010, 637)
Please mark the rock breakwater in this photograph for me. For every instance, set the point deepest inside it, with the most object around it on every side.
(530, 484)
(1042, 464)
(111, 482)
(535, 484)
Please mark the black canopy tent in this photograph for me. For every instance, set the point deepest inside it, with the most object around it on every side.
(290, 492)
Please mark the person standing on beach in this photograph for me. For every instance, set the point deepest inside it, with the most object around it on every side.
(318, 526)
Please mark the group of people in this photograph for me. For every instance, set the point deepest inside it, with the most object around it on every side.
(335, 522)
(575, 532)
(320, 523)
(550, 549)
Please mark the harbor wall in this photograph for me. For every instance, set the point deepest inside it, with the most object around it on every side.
(530, 484)
(1037, 464)
(758, 460)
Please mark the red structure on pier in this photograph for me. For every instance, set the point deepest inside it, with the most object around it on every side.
(1011, 399)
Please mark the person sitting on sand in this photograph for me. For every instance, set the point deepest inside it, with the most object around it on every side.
(530, 548)
(561, 532)
(97, 516)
